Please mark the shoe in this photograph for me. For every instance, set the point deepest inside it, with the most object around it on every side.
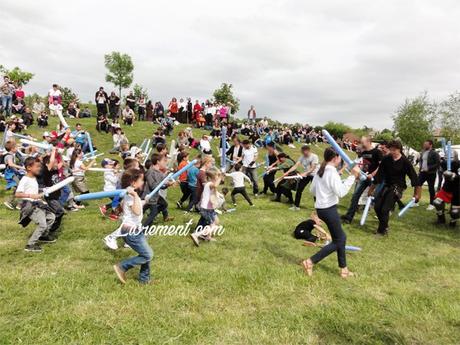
(168, 219)
(179, 204)
(234, 204)
(345, 220)
(80, 207)
(111, 242)
(430, 208)
(294, 208)
(18, 207)
(256, 195)
(275, 200)
(441, 219)
(74, 209)
(120, 273)
(195, 239)
(9, 205)
(415, 205)
(47, 239)
(452, 223)
(113, 217)
(126, 245)
(103, 210)
(35, 248)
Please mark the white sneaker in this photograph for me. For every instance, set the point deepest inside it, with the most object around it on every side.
(111, 242)
(415, 205)
(195, 238)
(430, 208)
(294, 208)
(126, 245)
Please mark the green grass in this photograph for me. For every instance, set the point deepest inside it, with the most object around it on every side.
(246, 288)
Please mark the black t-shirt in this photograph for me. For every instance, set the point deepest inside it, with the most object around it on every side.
(394, 172)
(50, 178)
(371, 160)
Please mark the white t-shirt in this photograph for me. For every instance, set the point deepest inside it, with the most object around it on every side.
(249, 155)
(54, 93)
(206, 197)
(129, 217)
(238, 178)
(307, 163)
(205, 145)
(28, 185)
(77, 171)
(110, 181)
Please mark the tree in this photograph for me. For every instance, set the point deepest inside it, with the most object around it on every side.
(120, 70)
(68, 96)
(337, 129)
(224, 95)
(139, 91)
(414, 120)
(384, 135)
(449, 117)
(18, 76)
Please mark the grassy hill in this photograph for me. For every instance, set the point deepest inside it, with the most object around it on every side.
(245, 288)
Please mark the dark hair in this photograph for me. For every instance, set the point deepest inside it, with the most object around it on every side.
(237, 166)
(271, 144)
(282, 155)
(130, 176)
(246, 142)
(29, 161)
(73, 158)
(160, 147)
(155, 158)
(305, 148)
(128, 163)
(181, 156)
(395, 144)
(429, 141)
(329, 155)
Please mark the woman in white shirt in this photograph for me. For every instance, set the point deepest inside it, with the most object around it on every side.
(328, 187)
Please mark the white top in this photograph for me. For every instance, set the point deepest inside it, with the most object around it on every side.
(249, 155)
(308, 162)
(206, 197)
(329, 188)
(28, 185)
(110, 181)
(129, 218)
(238, 178)
(205, 145)
(54, 93)
(77, 171)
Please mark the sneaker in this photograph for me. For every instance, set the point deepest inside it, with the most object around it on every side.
(111, 242)
(234, 204)
(103, 210)
(74, 209)
(18, 207)
(113, 217)
(9, 205)
(80, 207)
(33, 248)
(168, 219)
(126, 245)
(195, 239)
(120, 273)
(294, 208)
(345, 220)
(47, 239)
(415, 205)
(430, 208)
(179, 204)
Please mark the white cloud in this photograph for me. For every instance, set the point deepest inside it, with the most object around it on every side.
(307, 61)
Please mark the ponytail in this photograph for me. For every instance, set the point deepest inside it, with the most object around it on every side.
(329, 155)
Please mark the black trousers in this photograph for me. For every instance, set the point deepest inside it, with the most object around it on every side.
(186, 192)
(384, 203)
(331, 217)
(282, 189)
(301, 184)
(269, 183)
(430, 179)
(242, 191)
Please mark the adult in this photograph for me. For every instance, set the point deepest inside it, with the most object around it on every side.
(101, 98)
(114, 106)
(131, 101)
(19, 92)
(128, 115)
(173, 108)
(327, 187)
(38, 107)
(249, 164)
(141, 107)
(6, 93)
(392, 173)
(371, 157)
(309, 163)
(428, 167)
(149, 111)
(252, 114)
(269, 175)
(54, 94)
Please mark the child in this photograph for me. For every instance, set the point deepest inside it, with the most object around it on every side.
(211, 199)
(12, 172)
(78, 171)
(304, 231)
(182, 160)
(238, 178)
(131, 228)
(192, 179)
(111, 178)
(32, 207)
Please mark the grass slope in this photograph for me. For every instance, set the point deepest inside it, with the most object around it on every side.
(246, 288)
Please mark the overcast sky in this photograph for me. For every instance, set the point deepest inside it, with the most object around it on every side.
(307, 61)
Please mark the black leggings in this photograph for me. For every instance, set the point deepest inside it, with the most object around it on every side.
(430, 179)
(242, 191)
(331, 217)
(269, 183)
(384, 203)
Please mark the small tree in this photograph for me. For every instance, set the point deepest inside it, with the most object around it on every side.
(449, 120)
(68, 96)
(414, 120)
(120, 70)
(18, 76)
(139, 91)
(337, 129)
(224, 95)
(384, 135)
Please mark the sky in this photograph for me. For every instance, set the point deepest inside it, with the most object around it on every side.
(294, 60)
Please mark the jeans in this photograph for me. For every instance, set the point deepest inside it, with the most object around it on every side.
(242, 191)
(431, 179)
(252, 174)
(331, 217)
(139, 244)
(160, 206)
(193, 198)
(360, 188)
(6, 104)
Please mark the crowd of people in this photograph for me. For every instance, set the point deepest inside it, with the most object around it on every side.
(31, 166)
